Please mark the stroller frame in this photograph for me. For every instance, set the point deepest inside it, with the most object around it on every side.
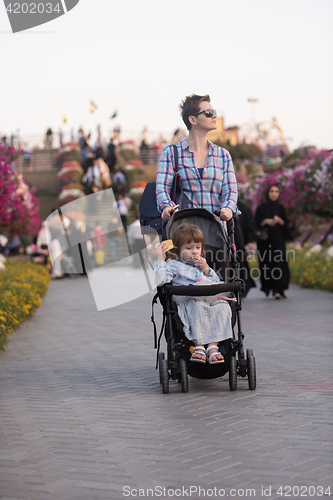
(177, 365)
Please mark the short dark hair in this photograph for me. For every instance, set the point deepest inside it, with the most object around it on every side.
(190, 106)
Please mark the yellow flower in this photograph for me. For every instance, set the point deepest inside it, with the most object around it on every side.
(22, 284)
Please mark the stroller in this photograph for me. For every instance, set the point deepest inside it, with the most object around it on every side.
(220, 253)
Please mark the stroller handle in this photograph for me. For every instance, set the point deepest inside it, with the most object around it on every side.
(217, 213)
(200, 291)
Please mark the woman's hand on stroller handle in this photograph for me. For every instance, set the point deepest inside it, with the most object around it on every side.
(167, 211)
(224, 214)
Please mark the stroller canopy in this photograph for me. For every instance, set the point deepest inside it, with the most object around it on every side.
(210, 225)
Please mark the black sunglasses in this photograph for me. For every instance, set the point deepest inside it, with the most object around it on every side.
(208, 113)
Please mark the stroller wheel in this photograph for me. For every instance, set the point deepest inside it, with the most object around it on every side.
(160, 358)
(183, 374)
(164, 374)
(249, 352)
(251, 372)
(233, 374)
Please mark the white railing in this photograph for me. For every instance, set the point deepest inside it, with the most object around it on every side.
(39, 141)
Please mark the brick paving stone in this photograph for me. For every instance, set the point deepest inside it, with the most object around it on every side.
(79, 420)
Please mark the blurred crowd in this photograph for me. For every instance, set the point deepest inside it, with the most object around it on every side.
(69, 247)
(100, 171)
(99, 166)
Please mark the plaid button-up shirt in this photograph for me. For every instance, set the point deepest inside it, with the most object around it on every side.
(215, 190)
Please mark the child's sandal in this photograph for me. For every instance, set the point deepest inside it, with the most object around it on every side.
(210, 360)
(199, 349)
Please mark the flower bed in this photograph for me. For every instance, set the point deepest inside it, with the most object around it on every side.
(306, 190)
(312, 269)
(72, 185)
(70, 177)
(22, 285)
(19, 207)
(307, 269)
(135, 163)
(69, 152)
(128, 150)
(137, 188)
(71, 171)
(69, 195)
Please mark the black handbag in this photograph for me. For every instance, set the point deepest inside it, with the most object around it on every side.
(261, 234)
(150, 216)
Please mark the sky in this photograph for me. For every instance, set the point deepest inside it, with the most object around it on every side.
(142, 58)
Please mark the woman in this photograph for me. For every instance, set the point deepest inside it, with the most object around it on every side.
(206, 170)
(274, 270)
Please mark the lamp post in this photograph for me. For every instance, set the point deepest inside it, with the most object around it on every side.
(253, 100)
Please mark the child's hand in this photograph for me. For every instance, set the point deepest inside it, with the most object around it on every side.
(223, 297)
(202, 263)
(161, 252)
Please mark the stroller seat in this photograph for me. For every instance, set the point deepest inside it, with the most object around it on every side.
(185, 347)
(220, 253)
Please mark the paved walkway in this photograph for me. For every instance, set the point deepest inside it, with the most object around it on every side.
(83, 415)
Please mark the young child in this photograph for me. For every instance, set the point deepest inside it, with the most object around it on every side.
(205, 322)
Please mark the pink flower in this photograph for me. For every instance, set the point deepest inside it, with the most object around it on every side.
(19, 208)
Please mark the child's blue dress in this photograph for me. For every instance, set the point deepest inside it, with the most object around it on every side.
(205, 320)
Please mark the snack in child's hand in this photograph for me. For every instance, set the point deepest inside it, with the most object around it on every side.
(167, 245)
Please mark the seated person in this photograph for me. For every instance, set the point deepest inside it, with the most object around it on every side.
(205, 321)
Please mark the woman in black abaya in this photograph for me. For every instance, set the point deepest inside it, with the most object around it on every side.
(274, 270)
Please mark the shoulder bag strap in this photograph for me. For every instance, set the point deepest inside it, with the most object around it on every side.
(175, 153)
(152, 318)
(176, 176)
